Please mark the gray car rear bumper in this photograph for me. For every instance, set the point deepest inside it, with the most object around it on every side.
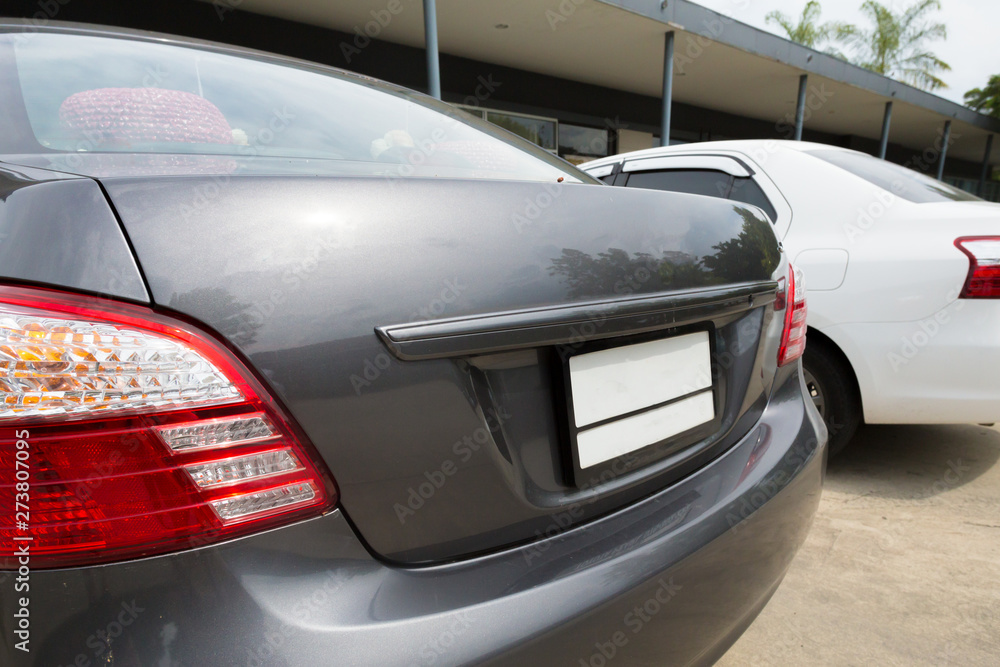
(673, 579)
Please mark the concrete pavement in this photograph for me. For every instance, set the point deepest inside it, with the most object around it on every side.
(902, 566)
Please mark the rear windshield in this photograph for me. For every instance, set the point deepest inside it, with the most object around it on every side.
(895, 178)
(115, 95)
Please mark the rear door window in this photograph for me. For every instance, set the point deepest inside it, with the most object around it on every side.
(706, 182)
(747, 191)
(897, 179)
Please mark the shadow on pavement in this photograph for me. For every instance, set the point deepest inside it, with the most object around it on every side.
(913, 462)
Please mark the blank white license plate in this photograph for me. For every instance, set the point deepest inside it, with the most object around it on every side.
(626, 398)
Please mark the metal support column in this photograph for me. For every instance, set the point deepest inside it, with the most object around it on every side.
(886, 120)
(800, 107)
(668, 87)
(431, 39)
(944, 149)
(981, 190)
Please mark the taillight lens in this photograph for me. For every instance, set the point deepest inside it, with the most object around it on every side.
(126, 433)
(792, 300)
(983, 281)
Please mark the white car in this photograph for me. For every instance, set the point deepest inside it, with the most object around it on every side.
(902, 272)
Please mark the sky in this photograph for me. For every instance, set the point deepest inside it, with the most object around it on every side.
(970, 49)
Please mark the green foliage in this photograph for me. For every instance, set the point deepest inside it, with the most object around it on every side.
(615, 271)
(895, 43)
(808, 31)
(986, 99)
(754, 249)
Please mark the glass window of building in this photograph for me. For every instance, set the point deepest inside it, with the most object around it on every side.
(577, 141)
(541, 131)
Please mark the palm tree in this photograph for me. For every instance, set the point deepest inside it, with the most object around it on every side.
(986, 99)
(808, 31)
(895, 44)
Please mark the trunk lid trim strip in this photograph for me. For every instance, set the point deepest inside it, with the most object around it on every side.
(560, 325)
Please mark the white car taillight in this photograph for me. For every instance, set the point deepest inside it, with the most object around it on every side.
(792, 300)
(126, 433)
(983, 281)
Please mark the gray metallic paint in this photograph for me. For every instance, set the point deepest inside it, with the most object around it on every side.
(298, 272)
(59, 230)
(310, 594)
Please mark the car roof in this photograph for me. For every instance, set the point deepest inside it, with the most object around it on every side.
(745, 146)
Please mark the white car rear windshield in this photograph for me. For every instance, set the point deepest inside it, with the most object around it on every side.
(899, 180)
(115, 95)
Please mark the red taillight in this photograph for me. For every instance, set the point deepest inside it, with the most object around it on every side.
(983, 281)
(126, 433)
(792, 300)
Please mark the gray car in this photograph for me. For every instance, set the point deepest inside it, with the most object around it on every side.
(301, 368)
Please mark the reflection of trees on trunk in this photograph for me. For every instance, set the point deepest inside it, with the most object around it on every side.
(752, 255)
(617, 272)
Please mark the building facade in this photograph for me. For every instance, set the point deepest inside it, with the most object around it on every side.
(586, 78)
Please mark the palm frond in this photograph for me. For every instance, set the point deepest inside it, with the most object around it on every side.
(893, 44)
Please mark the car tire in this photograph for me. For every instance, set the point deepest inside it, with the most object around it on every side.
(830, 382)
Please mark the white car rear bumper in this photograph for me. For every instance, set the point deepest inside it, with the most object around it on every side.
(944, 369)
